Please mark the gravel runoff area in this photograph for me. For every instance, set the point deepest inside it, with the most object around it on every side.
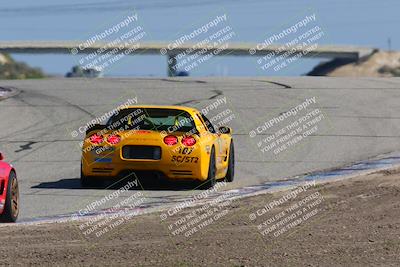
(353, 222)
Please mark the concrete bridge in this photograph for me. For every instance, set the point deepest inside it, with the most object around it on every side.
(160, 48)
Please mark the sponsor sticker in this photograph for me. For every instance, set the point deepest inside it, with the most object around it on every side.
(103, 160)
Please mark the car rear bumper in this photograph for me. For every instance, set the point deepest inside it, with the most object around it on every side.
(171, 162)
(155, 168)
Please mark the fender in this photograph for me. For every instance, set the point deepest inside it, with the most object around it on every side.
(5, 170)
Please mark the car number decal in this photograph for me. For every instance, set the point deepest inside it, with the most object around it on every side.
(185, 150)
(184, 159)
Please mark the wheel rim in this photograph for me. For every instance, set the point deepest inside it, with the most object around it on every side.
(14, 197)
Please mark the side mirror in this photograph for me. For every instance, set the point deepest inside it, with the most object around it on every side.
(1, 156)
(225, 130)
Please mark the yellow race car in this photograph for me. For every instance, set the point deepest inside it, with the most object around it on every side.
(170, 142)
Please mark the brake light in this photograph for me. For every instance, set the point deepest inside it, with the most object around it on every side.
(188, 141)
(113, 139)
(170, 140)
(96, 139)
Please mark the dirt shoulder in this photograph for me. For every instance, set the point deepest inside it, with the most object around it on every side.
(356, 223)
(379, 64)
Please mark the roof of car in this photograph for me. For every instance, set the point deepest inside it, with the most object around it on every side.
(189, 109)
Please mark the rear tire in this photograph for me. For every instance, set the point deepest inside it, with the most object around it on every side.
(87, 181)
(211, 181)
(231, 164)
(11, 206)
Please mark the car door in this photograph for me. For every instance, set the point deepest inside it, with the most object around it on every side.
(219, 144)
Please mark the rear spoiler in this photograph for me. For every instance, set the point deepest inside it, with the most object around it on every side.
(99, 127)
(95, 127)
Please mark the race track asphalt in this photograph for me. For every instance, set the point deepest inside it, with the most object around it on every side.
(361, 119)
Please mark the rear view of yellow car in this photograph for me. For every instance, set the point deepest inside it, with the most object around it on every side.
(171, 142)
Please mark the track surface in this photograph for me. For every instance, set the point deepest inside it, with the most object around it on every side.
(362, 119)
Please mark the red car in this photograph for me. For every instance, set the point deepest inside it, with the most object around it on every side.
(9, 194)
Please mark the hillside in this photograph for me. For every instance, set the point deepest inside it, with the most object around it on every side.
(11, 69)
(379, 64)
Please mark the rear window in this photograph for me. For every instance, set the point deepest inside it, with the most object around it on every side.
(170, 120)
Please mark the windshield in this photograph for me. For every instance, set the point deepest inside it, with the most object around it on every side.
(171, 120)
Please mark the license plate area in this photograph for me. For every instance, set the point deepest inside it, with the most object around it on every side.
(141, 152)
